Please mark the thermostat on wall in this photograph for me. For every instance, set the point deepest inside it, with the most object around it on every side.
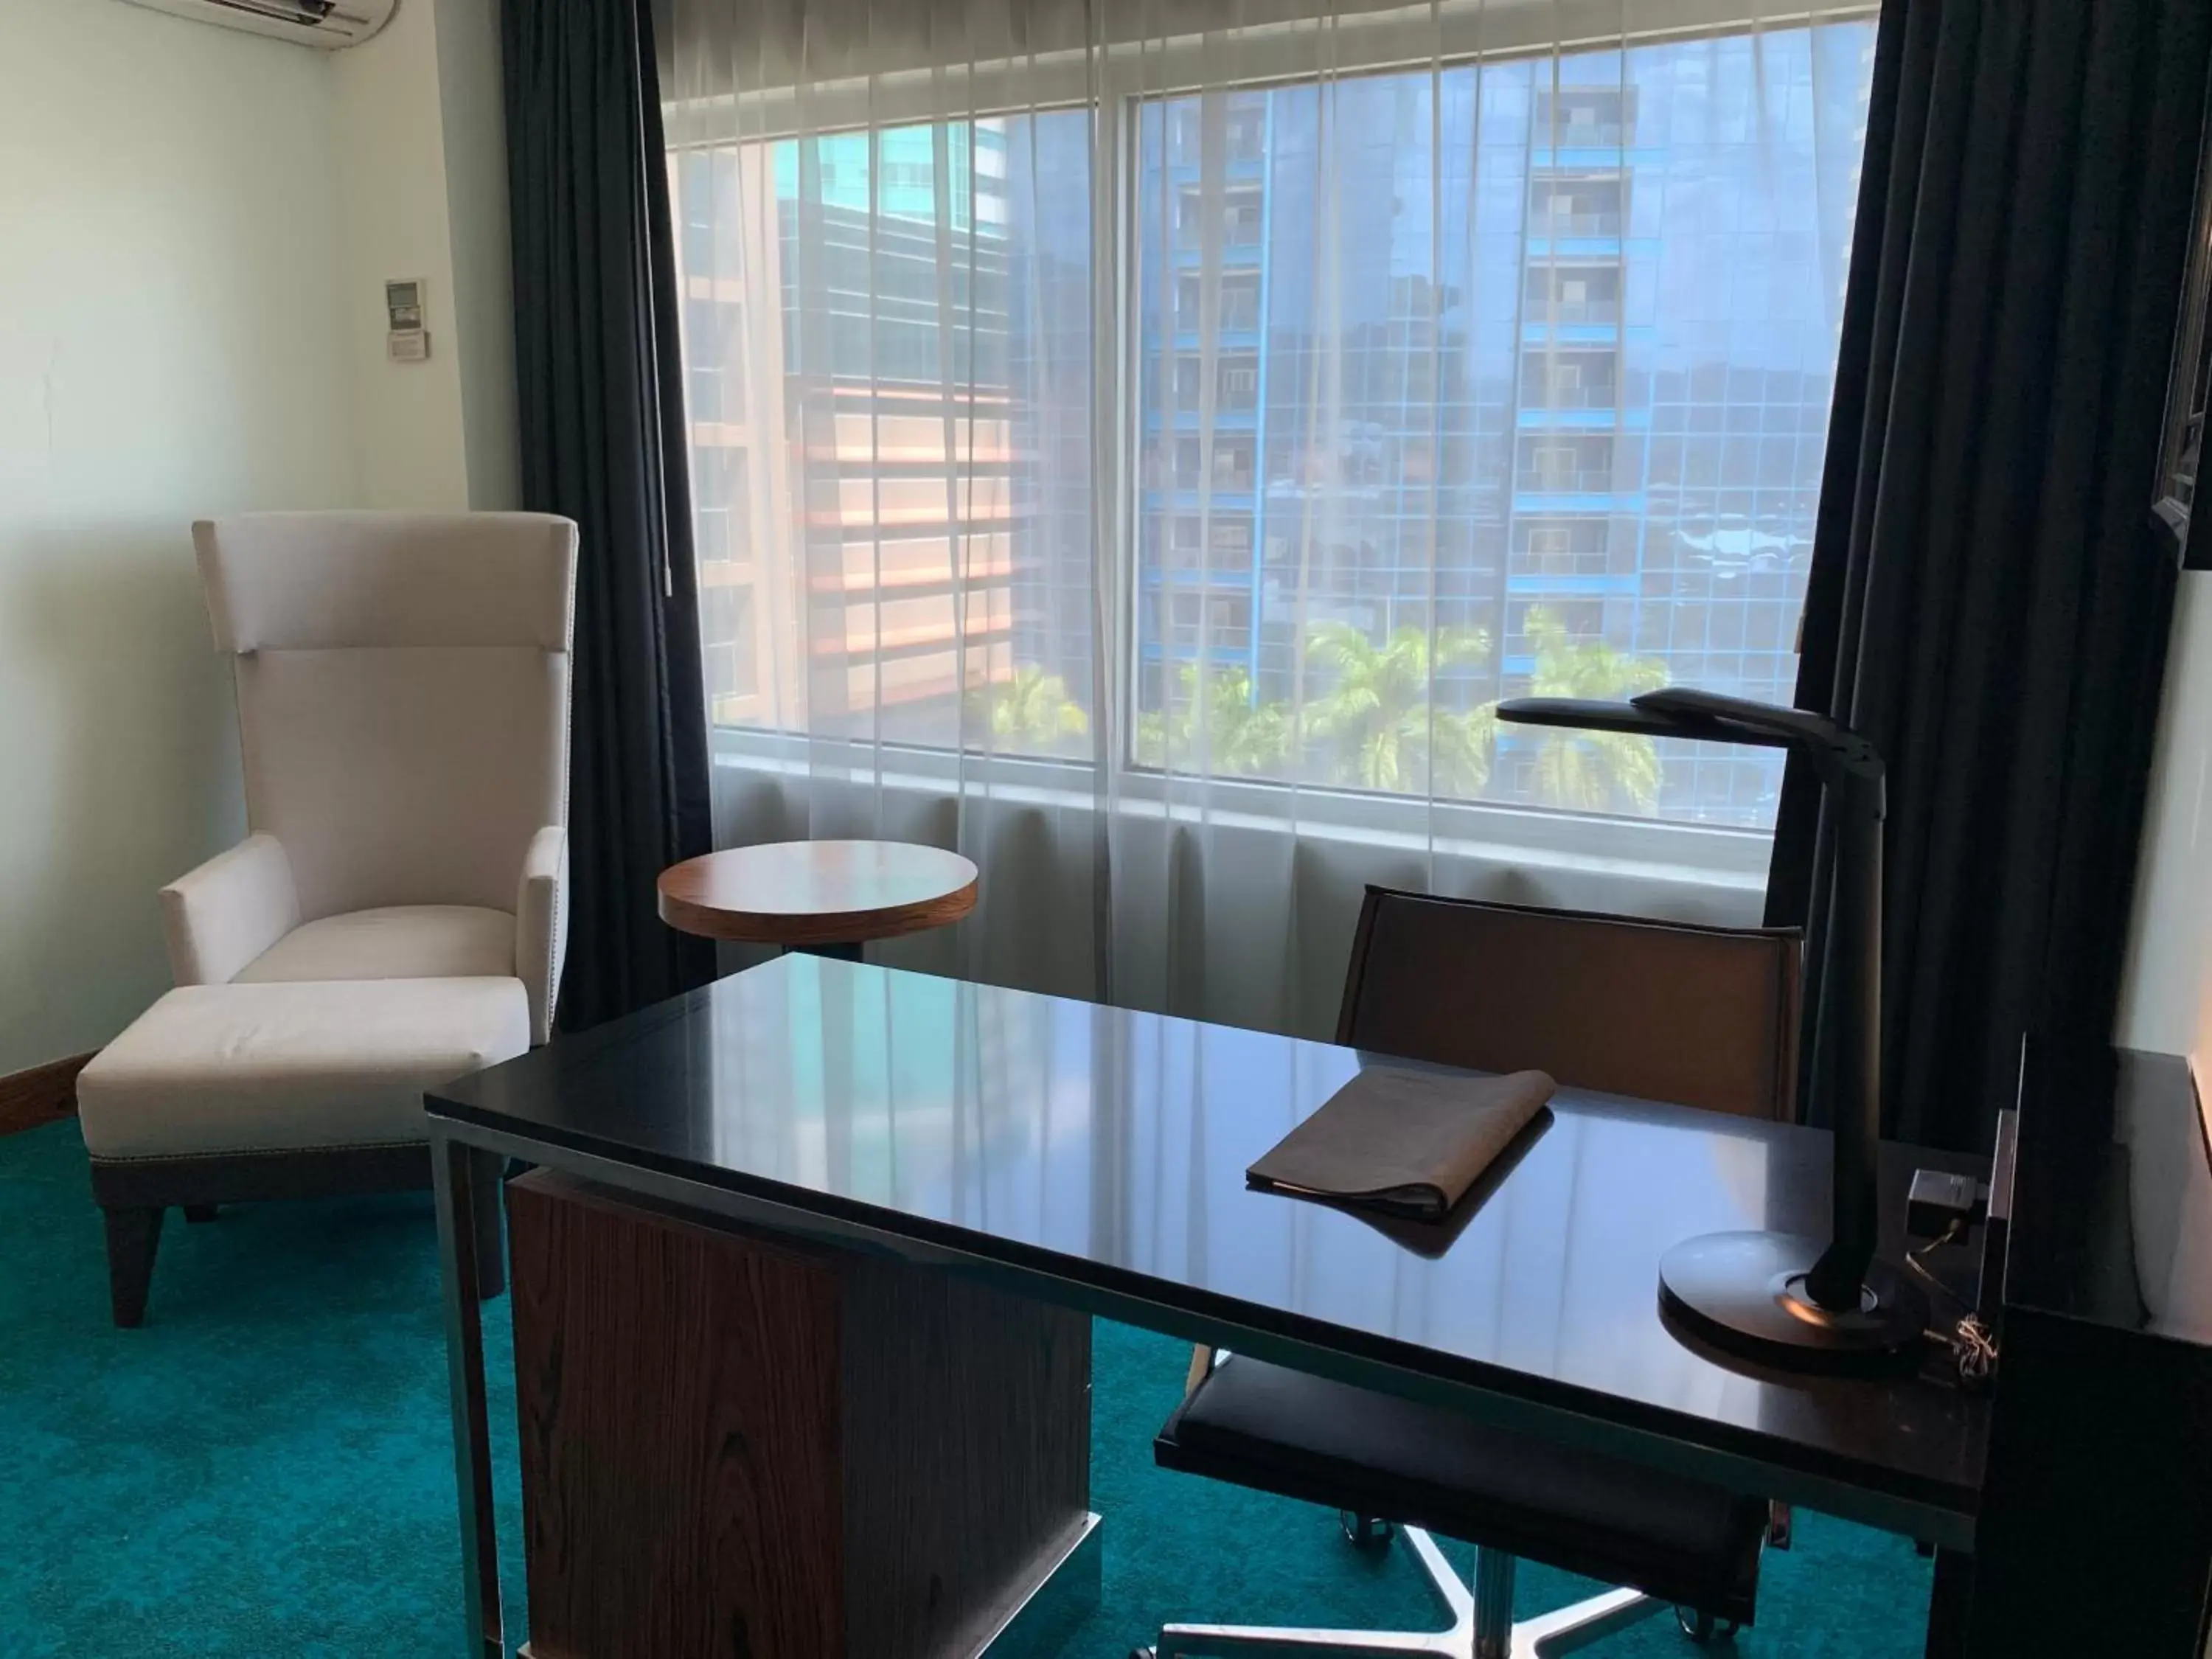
(406, 340)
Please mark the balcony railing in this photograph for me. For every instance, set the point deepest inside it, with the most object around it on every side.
(1563, 223)
(1564, 481)
(1603, 395)
(1571, 314)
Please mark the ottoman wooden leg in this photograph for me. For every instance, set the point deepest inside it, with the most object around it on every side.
(133, 1235)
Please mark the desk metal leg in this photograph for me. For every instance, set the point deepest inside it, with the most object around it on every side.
(462, 1194)
(1948, 1604)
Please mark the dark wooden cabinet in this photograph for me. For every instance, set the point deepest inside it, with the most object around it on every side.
(2095, 1534)
(741, 1446)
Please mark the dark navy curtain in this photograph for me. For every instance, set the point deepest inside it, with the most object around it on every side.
(599, 378)
(1988, 600)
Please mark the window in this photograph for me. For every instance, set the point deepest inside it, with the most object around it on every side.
(713, 356)
(1563, 204)
(1236, 382)
(1566, 464)
(1521, 374)
(1240, 211)
(1561, 547)
(1571, 295)
(1230, 545)
(1227, 542)
(1221, 622)
(1230, 458)
(1592, 116)
(1248, 131)
(727, 620)
(1239, 302)
(721, 527)
(1243, 125)
(1565, 378)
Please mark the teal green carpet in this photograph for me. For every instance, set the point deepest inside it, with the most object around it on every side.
(265, 1467)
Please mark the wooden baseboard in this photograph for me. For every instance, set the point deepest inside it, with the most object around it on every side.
(43, 1094)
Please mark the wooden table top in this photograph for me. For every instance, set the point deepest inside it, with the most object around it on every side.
(817, 892)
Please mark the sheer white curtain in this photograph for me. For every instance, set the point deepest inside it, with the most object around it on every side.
(1135, 445)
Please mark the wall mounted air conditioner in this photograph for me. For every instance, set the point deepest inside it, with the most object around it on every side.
(327, 23)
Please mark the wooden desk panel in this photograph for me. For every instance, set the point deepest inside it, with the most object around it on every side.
(733, 1445)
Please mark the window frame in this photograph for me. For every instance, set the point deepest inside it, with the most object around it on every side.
(1112, 90)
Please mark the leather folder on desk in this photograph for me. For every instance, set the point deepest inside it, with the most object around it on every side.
(1402, 1143)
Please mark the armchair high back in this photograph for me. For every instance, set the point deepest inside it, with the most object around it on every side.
(403, 703)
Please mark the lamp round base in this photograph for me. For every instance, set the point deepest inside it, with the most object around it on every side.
(1746, 1292)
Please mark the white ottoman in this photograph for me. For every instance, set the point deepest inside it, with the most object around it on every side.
(229, 1093)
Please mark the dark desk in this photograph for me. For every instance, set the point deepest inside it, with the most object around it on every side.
(1095, 1157)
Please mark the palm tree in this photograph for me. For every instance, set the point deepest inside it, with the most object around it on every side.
(1231, 733)
(1591, 770)
(1378, 716)
(1032, 712)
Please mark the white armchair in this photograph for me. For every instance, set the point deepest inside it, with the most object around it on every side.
(402, 701)
(396, 916)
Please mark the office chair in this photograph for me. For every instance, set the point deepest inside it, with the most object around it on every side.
(1697, 1016)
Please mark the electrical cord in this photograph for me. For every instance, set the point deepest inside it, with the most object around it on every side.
(1915, 1261)
(1974, 1349)
(1975, 1352)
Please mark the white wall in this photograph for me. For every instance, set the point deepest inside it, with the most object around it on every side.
(196, 225)
(472, 104)
(424, 179)
(168, 250)
(2165, 999)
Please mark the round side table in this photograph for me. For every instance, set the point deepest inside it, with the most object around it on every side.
(825, 897)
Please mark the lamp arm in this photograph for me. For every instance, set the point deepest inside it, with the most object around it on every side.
(1848, 1036)
(1579, 715)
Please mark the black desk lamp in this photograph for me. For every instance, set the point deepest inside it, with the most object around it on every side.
(1783, 1297)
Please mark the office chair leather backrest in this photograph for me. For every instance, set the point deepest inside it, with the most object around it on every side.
(1663, 1010)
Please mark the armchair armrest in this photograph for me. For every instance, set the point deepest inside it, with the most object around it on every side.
(220, 916)
(541, 925)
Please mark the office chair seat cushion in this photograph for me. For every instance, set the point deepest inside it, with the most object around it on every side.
(1262, 1425)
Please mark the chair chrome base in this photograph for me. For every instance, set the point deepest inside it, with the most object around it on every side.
(1482, 1624)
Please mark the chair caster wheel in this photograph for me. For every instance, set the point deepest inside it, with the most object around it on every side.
(1363, 1532)
(1703, 1628)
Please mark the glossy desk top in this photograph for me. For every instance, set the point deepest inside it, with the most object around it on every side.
(1108, 1149)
